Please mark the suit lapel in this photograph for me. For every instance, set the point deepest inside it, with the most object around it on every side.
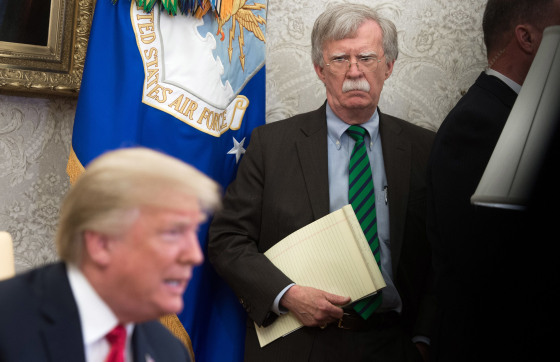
(397, 158)
(140, 345)
(313, 157)
(60, 326)
(142, 350)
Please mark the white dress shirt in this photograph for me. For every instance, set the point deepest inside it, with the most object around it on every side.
(96, 318)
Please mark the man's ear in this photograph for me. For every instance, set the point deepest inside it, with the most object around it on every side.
(528, 38)
(320, 72)
(97, 247)
(389, 69)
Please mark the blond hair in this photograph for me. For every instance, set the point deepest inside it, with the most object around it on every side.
(119, 182)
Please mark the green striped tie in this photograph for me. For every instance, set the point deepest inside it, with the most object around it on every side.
(362, 198)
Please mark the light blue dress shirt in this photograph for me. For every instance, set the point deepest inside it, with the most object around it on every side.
(340, 147)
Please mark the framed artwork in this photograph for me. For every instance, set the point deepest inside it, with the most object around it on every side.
(43, 45)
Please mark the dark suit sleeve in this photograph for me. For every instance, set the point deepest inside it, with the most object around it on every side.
(234, 245)
(414, 276)
(422, 262)
(459, 231)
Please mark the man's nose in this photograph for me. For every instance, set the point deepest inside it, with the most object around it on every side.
(192, 253)
(354, 68)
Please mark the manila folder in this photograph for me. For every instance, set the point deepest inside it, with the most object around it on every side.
(331, 254)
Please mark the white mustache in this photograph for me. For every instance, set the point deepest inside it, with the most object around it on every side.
(355, 84)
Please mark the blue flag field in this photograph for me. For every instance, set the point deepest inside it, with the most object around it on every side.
(189, 86)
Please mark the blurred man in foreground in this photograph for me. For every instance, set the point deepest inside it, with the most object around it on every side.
(127, 240)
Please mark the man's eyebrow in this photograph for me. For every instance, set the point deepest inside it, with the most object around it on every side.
(195, 219)
(338, 54)
(360, 54)
(368, 53)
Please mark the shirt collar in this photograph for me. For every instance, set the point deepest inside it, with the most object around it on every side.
(510, 83)
(336, 127)
(96, 318)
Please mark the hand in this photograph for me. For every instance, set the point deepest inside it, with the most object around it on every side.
(313, 307)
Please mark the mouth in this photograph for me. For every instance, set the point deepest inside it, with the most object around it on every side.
(357, 91)
(176, 286)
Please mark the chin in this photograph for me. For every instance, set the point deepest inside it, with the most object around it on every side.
(359, 105)
(358, 100)
(174, 306)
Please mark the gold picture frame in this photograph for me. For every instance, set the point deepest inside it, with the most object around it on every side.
(55, 68)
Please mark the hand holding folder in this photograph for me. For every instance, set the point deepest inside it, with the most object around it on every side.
(314, 307)
(330, 254)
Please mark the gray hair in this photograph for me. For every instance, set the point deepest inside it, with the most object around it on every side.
(106, 197)
(342, 21)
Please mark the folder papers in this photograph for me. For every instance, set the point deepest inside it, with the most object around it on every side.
(331, 254)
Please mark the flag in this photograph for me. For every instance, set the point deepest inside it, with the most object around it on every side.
(192, 87)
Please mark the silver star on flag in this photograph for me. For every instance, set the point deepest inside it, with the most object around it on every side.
(237, 149)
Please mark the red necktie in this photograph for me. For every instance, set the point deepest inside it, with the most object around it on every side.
(117, 340)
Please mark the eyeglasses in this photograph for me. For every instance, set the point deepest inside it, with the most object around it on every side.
(366, 64)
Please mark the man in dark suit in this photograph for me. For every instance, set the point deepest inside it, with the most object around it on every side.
(483, 256)
(127, 240)
(295, 171)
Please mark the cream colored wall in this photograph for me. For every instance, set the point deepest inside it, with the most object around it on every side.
(35, 136)
(441, 54)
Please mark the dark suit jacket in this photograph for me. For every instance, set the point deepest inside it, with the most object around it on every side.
(281, 186)
(39, 322)
(477, 250)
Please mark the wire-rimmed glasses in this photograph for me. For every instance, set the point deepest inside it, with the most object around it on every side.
(366, 64)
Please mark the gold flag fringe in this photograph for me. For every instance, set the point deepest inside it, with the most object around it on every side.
(74, 167)
(197, 8)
